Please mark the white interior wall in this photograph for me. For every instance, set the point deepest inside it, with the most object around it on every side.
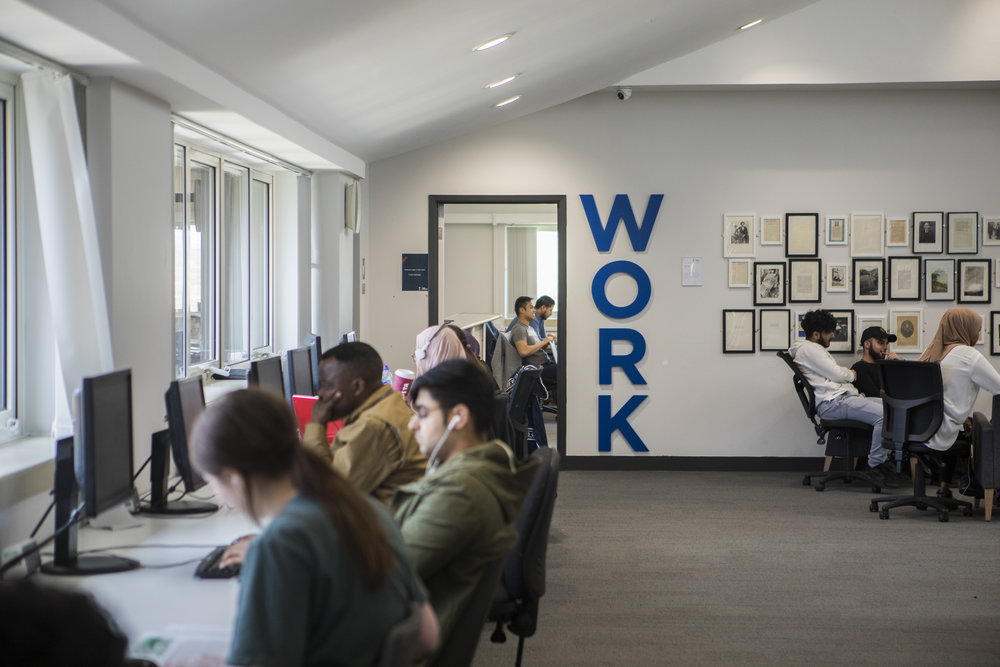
(709, 153)
(332, 258)
(292, 285)
(471, 275)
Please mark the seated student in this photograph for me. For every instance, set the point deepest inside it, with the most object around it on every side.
(964, 371)
(442, 342)
(836, 397)
(460, 517)
(42, 626)
(874, 346)
(328, 576)
(530, 346)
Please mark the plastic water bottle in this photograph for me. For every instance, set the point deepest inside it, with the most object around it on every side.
(386, 374)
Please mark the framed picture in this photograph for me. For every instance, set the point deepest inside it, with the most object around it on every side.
(843, 334)
(739, 273)
(797, 324)
(801, 234)
(928, 231)
(963, 233)
(737, 331)
(870, 320)
(867, 235)
(772, 232)
(904, 278)
(991, 230)
(869, 277)
(908, 327)
(836, 277)
(769, 283)
(984, 333)
(775, 329)
(939, 280)
(974, 280)
(897, 231)
(738, 235)
(803, 280)
(836, 230)
(995, 332)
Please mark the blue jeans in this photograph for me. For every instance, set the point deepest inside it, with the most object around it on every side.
(859, 408)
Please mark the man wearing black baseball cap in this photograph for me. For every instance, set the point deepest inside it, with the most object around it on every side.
(874, 346)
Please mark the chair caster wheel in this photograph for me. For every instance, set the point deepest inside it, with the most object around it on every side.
(883, 513)
(943, 517)
(873, 507)
(821, 486)
(806, 481)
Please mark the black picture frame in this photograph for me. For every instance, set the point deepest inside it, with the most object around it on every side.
(843, 338)
(956, 217)
(939, 279)
(730, 343)
(769, 283)
(868, 288)
(995, 333)
(928, 232)
(904, 275)
(782, 320)
(968, 287)
(801, 234)
(814, 269)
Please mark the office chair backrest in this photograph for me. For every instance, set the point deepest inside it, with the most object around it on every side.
(400, 645)
(460, 646)
(490, 341)
(913, 401)
(524, 574)
(805, 392)
(521, 394)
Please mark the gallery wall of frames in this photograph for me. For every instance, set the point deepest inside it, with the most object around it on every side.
(869, 269)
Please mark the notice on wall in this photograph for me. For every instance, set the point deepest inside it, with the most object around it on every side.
(414, 272)
(692, 272)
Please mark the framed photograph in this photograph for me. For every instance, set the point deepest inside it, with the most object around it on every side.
(904, 278)
(928, 231)
(797, 324)
(908, 326)
(963, 233)
(836, 230)
(991, 230)
(738, 235)
(867, 235)
(870, 320)
(939, 280)
(869, 278)
(803, 280)
(775, 329)
(739, 273)
(995, 332)
(984, 333)
(843, 335)
(897, 231)
(772, 232)
(836, 277)
(769, 283)
(974, 280)
(801, 234)
(737, 331)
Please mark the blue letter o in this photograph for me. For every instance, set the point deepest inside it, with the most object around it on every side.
(598, 287)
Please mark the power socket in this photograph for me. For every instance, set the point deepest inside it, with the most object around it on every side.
(28, 565)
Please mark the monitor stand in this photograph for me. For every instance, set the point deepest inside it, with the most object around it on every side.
(159, 471)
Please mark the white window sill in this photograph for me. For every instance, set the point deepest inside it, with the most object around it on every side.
(26, 469)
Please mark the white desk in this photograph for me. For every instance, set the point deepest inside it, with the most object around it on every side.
(474, 323)
(148, 600)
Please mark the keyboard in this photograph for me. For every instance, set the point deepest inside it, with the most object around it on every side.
(209, 568)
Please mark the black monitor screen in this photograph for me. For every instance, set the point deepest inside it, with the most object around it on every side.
(316, 343)
(103, 452)
(266, 374)
(185, 402)
(300, 372)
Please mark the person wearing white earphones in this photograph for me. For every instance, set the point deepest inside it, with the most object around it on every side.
(460, 516)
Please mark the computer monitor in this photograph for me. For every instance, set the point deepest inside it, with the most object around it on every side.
(300, 372)
(185, 400)
(314, 341)
(266, 374)
(100, 458)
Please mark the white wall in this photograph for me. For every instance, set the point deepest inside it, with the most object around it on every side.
(709, 153)
(292, 267)
(332, 259)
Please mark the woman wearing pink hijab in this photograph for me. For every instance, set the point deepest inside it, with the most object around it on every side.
(438, 344)
(964, 371)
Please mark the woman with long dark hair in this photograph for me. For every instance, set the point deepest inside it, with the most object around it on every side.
(328, 576)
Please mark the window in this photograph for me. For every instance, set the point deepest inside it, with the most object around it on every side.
(222, 232)
(8, 398)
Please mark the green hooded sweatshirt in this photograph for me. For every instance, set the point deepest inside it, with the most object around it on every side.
(460, 518)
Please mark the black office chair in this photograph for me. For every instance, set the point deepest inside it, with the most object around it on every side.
(523, 582)
(491, 333)
(845, 439)
(400, 645)
(519, 406)
(913, 401)
(460, 646)
(986, 454)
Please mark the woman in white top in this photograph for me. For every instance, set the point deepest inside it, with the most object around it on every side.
(964, 371)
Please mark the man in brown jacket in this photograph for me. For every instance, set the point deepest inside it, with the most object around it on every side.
(374, 449)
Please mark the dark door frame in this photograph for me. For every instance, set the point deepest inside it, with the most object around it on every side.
(435, 203)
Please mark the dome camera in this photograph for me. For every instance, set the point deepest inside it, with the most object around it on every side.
(623, 93)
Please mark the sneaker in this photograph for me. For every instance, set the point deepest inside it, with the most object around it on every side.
(886, 474)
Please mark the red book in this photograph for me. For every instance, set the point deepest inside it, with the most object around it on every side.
(303, 411)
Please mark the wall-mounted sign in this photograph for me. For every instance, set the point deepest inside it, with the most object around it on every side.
(414, 271)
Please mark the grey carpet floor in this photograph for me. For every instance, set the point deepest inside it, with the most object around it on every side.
(707, 568)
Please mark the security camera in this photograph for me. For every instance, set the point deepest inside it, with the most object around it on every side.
(623, 93)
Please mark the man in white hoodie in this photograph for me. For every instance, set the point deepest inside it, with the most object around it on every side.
(836, 397)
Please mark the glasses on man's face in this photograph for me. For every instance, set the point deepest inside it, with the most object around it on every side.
(421, 411)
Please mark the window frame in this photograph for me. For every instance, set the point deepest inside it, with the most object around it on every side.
(9, 327)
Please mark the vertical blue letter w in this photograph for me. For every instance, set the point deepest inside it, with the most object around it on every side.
(621, 211)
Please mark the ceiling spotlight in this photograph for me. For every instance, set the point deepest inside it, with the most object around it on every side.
(493, 42)
(497, 84)
(745, 26)
(507, 101)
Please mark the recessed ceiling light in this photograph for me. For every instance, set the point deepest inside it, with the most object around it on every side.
(750, 25)
(493, 42)
(508, 101)
(497, 84)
